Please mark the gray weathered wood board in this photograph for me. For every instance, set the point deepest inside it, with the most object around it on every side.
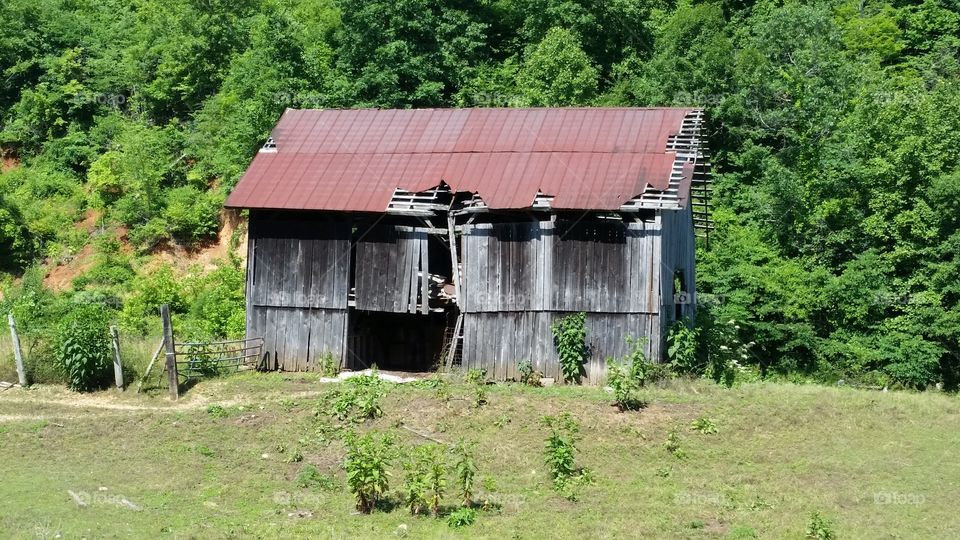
(307, 268)
(534, 266)
(296, 338)
(496, 342)
(391, 270)
(298, 279)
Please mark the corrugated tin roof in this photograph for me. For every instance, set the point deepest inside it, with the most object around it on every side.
(353, 160)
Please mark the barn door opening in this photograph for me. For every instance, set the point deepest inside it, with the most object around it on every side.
(395, 341)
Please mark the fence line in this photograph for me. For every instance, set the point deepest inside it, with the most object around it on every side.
(201, 359)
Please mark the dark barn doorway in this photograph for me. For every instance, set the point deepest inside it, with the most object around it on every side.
(395, 341)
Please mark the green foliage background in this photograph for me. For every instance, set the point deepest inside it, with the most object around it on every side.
(833, 131)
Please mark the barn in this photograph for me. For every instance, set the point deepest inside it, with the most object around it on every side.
(411, 239)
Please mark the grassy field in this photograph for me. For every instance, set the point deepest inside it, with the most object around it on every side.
(876, 465)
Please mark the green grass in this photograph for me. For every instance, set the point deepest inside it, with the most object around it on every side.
(877, 465)
(8, 367)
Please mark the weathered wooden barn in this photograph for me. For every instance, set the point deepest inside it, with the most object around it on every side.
(414, 238)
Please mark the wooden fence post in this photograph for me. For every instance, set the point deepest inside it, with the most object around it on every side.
(172, 377)
(17, 353)
(156, 354)
(117, 365)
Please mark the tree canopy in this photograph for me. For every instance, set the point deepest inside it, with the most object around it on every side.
(833, 129)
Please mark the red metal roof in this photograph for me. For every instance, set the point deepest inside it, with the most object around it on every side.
(353, 160)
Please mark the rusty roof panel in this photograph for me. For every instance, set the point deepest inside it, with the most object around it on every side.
(353, 160)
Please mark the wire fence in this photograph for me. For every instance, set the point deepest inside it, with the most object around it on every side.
(208, 359)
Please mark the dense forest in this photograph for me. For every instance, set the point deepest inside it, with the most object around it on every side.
(835, 142)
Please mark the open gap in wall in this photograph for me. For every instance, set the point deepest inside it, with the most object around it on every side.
(395, 341)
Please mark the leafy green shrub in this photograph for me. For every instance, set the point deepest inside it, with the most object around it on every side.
(478, 378)
(704, 425)
(295, 457)
(309, 476)
(729, 352)
(145, 236)
(329, 367)
(414, 483)
(465, 469)
(367, 462)
(673, 444)
(200, 363)
(42, 201)
(528, 375)
(217, 411)
(627, 377)
(560, 455)
(217, 305)
(357, 399)
(625, 386)
(191, 214)
(83, 347)
(435, 465)
(441, 387)
(819, 528)
(475, 376)
(910, 360)
(150, 291)
(17, 244)
(462, 517)
(110, 267)
(682, 349)
(425, 478)
(570, 340)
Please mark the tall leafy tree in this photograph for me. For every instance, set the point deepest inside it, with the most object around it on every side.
(405, 52)
(556, 72)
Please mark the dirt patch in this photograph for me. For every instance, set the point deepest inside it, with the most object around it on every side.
(8, 159)
(63, 271)
(205, 256)
(60, 277)
(91, 221)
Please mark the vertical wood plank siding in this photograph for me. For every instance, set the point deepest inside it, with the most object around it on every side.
(297, 287)
(392, 270)
(678, 254)
(519, 278)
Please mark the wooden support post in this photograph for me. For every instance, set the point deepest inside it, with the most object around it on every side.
(451, 222)
(117, 365)
(172, 377)
(156, 354)
(424, 275)
(17, 352)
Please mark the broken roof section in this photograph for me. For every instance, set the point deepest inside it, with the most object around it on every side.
(355, 160)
